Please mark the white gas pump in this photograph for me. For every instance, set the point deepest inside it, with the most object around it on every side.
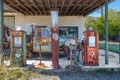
(71, 43)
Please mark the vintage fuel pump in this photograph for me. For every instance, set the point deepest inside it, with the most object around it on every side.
(18, 48)
(90, 55)
(71, 44)
(55, 39)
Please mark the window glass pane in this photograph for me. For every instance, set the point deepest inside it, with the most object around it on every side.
(66, 32)
(9, 21)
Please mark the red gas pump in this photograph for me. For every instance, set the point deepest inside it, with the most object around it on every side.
(90, 55)
(55, 39)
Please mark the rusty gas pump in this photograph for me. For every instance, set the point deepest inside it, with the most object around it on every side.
(90, 55)
(18, 48)
(55, 39)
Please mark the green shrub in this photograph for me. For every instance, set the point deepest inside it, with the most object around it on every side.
(102, 71)
(114, 47)
(14, 74)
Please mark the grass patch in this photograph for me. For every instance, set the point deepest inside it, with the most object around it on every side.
(114, 47)
(16, 74)
(102, 71)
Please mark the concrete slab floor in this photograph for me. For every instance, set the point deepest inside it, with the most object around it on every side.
(113, 61)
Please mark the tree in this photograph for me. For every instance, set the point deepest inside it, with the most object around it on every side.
(88, 22)
(98, 24)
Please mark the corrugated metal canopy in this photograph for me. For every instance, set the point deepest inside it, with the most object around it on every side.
(66, 7)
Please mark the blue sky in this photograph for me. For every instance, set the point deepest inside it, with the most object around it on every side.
(114, 5)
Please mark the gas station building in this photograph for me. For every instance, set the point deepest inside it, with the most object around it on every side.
(23, 13)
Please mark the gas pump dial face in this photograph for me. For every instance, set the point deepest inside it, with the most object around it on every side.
(55, 36)
(70, 41)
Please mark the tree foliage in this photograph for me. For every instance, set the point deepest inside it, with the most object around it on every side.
(88, 22)
(98, 24)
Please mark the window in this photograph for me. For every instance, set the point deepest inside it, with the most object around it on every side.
(68, 32)
(9, 21)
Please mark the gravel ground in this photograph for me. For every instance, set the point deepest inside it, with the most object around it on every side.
(78, 75)
(91, 76)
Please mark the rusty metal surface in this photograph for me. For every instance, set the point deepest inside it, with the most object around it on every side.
(90, 56)
(44, 48)
(17, 48)
(55, 49)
